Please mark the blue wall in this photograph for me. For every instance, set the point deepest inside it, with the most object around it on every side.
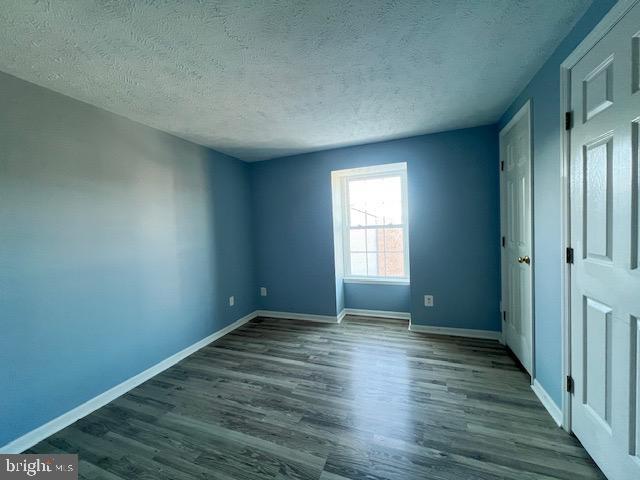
(391, 298)
(544, 92)
(293, 228)
(119, 246)
(453, 229)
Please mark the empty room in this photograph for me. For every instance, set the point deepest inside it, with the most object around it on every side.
(320, 239)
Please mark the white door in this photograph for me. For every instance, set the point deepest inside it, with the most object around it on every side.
(605, 279)
(515, 166)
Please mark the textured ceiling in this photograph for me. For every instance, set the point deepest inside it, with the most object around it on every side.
(261, 79)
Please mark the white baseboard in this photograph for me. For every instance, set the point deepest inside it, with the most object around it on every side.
(35, 436)
(377, 313)
(547, 402)
(300, 316)
(456, 332)
(341, 315)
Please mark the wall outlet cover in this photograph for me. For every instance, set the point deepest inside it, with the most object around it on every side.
(263, 291)
(232, 301)
(428, 300)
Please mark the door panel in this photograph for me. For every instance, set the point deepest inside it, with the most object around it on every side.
(597, 198)
(597, 89)
(635, 191)
(597, 360)
(515, 151)
(634, 403)
(512, 209)
(605, 282)
(514, 295)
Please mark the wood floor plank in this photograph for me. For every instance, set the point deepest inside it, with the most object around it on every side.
(365, 399)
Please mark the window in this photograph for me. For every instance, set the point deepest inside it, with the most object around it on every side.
(374, 219)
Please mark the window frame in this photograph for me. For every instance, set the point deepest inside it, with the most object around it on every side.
(382, 171)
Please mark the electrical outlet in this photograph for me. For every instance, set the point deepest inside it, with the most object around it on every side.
(263, 291)
(428, 300)
(232, 301)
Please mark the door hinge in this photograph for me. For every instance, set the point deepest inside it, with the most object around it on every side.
(504, 241)
(569, 384)
(502, 165)
(569, 255)
(568, 120)
(504, 315)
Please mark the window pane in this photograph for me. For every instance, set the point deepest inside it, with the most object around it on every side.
(358, 264)
(374, 240)
(375, 201)
(392, 204)
(358, 202)
(357, 217)
(393, 213)
(373, 265)
(357, 240)
(394, 265)
(393, 239)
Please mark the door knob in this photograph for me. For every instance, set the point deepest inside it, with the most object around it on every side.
(524, 259)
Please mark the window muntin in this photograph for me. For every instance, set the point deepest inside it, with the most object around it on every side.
(375, 236)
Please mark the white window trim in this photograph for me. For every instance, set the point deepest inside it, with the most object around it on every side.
(388, 170)
(377, 280)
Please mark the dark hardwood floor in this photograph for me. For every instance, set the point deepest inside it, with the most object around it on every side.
(365, 399)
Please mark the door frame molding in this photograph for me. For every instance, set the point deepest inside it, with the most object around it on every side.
(525, 111)
(603, 27)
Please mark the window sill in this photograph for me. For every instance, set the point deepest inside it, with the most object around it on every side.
(377, 281)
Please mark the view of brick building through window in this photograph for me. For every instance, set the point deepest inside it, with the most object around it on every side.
(390, 260)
